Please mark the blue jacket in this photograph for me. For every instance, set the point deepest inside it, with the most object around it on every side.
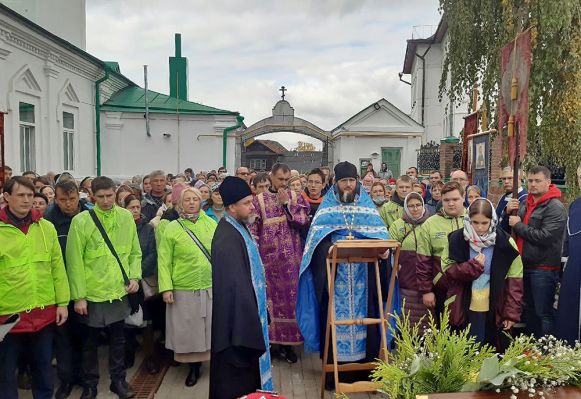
(503, 202)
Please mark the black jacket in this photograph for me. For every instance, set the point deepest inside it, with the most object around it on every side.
(62, 222)
(146, 235)
(149, 206)
(544, 233)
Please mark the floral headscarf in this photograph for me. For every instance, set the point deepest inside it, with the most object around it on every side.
(477, 242)
(192, 217)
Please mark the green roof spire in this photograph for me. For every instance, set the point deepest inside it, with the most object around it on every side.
(178, 72)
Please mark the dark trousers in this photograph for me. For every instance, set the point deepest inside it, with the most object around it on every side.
(90, 363)
(539, 296)
(40, 343)
(67, 349)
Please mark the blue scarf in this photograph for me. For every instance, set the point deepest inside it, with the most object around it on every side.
(333, 219)
(259, 283)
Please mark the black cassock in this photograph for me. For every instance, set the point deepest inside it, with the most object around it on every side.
(319, 269)
(237, 341)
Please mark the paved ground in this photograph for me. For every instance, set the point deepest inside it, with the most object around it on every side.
(295, 381)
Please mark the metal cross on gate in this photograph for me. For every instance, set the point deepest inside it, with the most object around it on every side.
(282, 89)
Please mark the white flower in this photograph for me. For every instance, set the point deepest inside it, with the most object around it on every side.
(512, 396)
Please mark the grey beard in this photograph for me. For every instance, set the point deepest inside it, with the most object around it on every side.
(347, 197)
(249, 220)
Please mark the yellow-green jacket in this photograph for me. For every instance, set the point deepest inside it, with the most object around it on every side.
(181, 264)
(432, 240)
(94, 273)
(32, 272)
(390, 212)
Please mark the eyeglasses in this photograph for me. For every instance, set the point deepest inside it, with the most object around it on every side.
(417, 206)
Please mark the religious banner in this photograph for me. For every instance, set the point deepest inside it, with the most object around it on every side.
(481, 163)
(515, 66)
(2, 161)
(470, 128)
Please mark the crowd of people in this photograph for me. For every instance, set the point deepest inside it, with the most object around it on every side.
(232, 269)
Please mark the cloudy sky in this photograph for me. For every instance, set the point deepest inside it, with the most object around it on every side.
(335, 56)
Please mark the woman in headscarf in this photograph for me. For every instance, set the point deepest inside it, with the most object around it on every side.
(405, 231)
(185, 281)
(484, 270)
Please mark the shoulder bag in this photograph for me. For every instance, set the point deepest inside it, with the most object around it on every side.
(197, 241)
(134, 300)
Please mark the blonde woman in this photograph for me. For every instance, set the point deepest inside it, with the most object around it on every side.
(185, 281)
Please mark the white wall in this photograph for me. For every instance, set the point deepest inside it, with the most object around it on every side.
(127, 150)
(437, 113)
(54, 80)
(64, 18)
(354, 148)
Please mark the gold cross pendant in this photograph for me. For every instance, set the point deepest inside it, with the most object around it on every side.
(350, 236)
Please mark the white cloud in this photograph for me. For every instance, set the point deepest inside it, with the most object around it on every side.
(334, 56)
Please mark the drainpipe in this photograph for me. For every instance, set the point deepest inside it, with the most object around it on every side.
(239, 120)
(98, 117)
(423, 58)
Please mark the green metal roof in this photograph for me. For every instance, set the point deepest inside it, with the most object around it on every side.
(114, 65)
(132, 99)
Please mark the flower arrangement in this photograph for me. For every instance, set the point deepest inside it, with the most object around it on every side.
(441, 360)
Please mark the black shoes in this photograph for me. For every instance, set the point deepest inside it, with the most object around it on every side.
(89, 393)
(152, 366)
(193, 375)
(287, 353)
(122, 389)
(64, 390)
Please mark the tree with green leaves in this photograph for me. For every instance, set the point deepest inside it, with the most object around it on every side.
(478, 29)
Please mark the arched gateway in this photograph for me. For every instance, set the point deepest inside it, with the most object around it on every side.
(283, 120)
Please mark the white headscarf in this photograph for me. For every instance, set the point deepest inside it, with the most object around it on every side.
(477, 242)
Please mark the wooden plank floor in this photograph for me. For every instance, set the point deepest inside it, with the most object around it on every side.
(295, 381)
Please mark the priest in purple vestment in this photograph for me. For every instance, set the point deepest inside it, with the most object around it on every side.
(280, 215)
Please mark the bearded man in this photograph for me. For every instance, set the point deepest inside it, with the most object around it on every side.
(347, 212)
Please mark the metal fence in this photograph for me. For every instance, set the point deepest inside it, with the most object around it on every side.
(429, 157)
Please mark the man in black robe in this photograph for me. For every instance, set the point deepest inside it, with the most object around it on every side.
(238, 339)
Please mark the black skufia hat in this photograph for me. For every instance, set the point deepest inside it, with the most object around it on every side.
(344, 170)
(233, 189)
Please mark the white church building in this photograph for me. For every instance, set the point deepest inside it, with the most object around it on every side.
(423, 62)
(65, 109)
(380, 133)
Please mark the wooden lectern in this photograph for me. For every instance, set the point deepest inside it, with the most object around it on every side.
(356, 251)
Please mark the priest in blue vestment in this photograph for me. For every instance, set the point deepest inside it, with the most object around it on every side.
(347, 212)
(568, 321)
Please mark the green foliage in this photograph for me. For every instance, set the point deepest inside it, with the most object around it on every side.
(532, 365)
(438, 360)
(478, 29)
